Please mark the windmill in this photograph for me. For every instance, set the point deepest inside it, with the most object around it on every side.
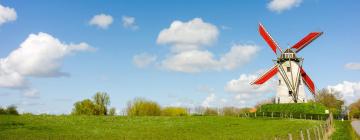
(288, 67)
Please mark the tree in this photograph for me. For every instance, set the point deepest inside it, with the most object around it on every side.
(112, 111)
(354, 109)
(330, 99)
(84, 107)
(142, 107)
(230, 111)
(210, 112)
(101, 100)
(2, 111)
(99, 105)
(12, 110)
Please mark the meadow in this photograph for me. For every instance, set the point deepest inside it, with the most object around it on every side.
(156, 127)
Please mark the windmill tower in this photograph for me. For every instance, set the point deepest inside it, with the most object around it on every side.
(291, 76)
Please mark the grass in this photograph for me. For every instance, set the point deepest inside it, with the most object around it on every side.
(344, 131)
(115, 127)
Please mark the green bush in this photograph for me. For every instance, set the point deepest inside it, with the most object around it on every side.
(174, 111)
(296, 108)
(142, 107)
(230, 111)
(210, 112)
(84, 107)
(10, 110)
(112, 112)
(97, 106)
(2, 111)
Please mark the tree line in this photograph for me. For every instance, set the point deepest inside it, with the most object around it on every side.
(99, 104)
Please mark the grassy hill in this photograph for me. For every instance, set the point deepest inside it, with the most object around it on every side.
(115, 127)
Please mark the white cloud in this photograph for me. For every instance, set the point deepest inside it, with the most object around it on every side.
(143, 60)
(190, 61)
(353, 66)
(187, 36)
(187, 41)
(281, 5)
(103, 21)
(31, 93)
(245, 93)
(238, 55)
(129, 22)
(243, 86)
(208, 100)
(350, 91)
(203, 60)
(40, 55)
(212, 100)
(7, 14)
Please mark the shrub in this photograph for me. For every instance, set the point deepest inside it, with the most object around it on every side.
(210, 112)
(299, 108)
(10, 110)
(84, 107)
(174, 111)
(2, 111)
(230, 111)
(98, 106)
(112, 112)
(142, 107)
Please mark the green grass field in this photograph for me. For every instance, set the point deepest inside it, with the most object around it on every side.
(106, 127)
(344, 131)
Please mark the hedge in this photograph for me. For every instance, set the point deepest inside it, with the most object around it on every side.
(294, 108)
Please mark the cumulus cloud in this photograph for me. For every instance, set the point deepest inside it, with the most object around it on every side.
(281, 5)
(190, 61)
(7, 14)
(203, 60)
(143, 60)
(129, 22)
(214, 101)
(103, 21)
(244, 92)
(40, 55)
(187, 36)
(352, 66)
(208, 100)
(188, 40)
(238, 55)
(350, 91)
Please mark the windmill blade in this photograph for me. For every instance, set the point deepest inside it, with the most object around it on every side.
(273, 45)
(306, 41)
(266, 76)
(308, 82)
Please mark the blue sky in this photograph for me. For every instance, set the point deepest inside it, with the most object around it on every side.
(106, 61)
